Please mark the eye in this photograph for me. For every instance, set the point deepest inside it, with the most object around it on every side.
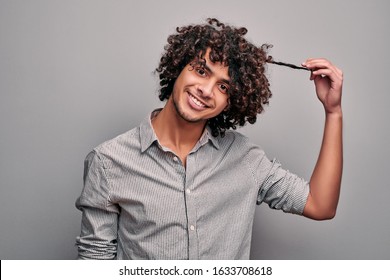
(201, 72)
(223, 88)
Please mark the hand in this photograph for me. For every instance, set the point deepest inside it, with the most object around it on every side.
(328, 80)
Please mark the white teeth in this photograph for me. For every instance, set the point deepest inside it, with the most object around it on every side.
(196, 101)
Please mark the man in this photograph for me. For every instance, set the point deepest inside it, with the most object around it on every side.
(183, 185)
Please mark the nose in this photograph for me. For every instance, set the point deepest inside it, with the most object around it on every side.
(206, 88)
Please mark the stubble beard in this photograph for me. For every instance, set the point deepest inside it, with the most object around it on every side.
(182, 114)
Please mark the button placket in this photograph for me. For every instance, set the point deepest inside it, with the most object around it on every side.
(191, 209)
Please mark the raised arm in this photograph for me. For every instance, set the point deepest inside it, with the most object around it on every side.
(326, 177)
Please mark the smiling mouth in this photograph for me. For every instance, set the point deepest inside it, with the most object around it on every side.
(197, 101)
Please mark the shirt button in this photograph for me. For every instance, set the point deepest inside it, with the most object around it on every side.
(188, 191)
(175, 159)
(192, 228)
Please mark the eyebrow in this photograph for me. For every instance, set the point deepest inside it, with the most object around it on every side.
(209, 70)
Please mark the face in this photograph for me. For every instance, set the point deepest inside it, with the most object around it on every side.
(200, 92)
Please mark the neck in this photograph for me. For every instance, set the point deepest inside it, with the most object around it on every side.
(176, 133)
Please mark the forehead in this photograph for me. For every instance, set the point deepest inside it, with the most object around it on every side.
(217, 68)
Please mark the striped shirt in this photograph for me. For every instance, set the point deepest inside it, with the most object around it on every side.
(140, 202)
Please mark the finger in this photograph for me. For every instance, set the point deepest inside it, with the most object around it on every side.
(319, 63)
(315, 60)
(315, 63)
(333, 75)
(325, 65)
(311, 76)
(311, 61)
(323, 71)
(339, 71)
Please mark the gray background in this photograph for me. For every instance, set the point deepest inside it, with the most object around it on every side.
(76, 73)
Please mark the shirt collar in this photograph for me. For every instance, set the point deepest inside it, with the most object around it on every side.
(148, 136)
(207, 135)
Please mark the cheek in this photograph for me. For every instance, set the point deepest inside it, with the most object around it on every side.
(225, 100)
(222, 102)
(184, 80)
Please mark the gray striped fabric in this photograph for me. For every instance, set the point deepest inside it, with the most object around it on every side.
(139, 202)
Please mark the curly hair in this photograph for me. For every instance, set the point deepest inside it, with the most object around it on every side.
(249, 87)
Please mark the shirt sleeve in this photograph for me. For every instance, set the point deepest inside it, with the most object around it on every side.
(98, 238)
(279, 188)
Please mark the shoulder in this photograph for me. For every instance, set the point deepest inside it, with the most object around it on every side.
(120, 144)
(239, 144)
(243, 144)
(232, 137)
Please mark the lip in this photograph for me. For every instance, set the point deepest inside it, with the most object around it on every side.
(195, 105)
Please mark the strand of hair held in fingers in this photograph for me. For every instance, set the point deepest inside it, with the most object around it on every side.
(287, 65)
